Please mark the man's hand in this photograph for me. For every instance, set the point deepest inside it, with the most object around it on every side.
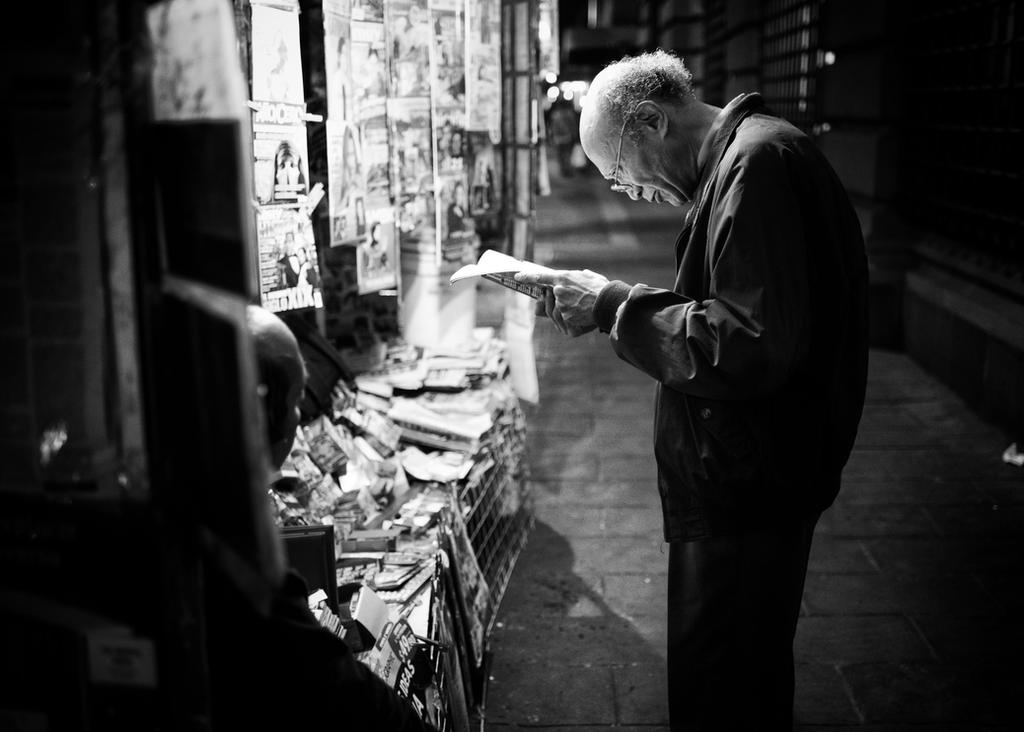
(569, 299)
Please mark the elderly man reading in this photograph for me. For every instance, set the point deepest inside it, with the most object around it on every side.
(759, 352)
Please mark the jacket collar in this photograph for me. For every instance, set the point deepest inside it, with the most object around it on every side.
(721, 132)
(713, 148)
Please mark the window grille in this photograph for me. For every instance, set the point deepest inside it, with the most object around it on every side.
(964, 140)
(790, 57)
(714, 55)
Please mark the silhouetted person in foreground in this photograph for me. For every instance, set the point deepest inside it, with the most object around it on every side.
(275, 667)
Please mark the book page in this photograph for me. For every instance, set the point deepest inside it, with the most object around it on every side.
(501, 268)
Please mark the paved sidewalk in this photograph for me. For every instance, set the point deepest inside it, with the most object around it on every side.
(912, 615)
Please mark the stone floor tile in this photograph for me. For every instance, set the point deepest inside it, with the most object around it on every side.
(838, 639)
(614, 466)
(874, 594)
(995, 641)
(887, 464)
(911, 491)
(505, 727)
(633, 595)
(542, 592)
(594, 493)
(1009, 491)
(833, 554)
(564, 467)
(1006, 589)
(909, 727)
(538, 694)
(862, 521)
(985, 519)
(822, 696)
(944, 556)
(633, 521)
(574, 642)
(888, 417)
(574, 521)
(934, 693)
(641, 694)
(620, 555)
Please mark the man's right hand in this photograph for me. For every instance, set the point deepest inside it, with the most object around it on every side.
(569, 297)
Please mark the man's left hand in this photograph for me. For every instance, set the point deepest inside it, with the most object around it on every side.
(569, 298)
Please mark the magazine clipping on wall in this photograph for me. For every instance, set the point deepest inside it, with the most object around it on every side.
(281, 166)
(416, 174)
(409, 36)
(454, 225)
(370, 10)
(483, 176)
(289, 272)
(196, 74)
(288, 267)
(483, 77)
(342, 138)
(377, 258)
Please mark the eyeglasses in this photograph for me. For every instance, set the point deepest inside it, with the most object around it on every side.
(617, 185)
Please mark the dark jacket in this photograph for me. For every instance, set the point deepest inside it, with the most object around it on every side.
(286, 672)
(760, 348)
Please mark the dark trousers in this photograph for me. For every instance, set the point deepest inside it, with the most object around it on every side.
(733, 603)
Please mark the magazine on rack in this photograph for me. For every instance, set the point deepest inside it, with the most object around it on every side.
(502, 268)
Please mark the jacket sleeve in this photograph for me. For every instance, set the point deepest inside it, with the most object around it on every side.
(748, 336)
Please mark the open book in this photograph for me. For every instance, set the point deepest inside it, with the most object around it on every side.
(501, 268)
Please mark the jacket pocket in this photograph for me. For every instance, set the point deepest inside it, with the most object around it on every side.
(728, 446)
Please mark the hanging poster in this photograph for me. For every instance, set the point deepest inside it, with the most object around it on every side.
(416, 174)
(276, 55)
(481, 163)
(483, 77)
(374, 133)
(281, 166)
(371, 10)
(547, 35)
(289, 274)
(454, 226)
(346, 186)
(338, 58)
(409, 29)
(369, 62)
(377, 258)
(281, 169)
(196, 74)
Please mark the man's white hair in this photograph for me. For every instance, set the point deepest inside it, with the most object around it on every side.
(657, 76)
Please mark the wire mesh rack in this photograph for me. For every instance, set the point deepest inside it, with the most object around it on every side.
(497, 504)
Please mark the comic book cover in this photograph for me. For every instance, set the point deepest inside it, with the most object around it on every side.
(289, 272)
(280, 163)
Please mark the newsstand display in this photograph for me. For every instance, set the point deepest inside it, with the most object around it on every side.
(333, 161)
(416, 468)
(378, 168)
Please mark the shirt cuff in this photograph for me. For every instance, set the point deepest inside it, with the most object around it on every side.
(607, 304)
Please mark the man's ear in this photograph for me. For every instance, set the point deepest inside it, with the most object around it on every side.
(652, 117)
